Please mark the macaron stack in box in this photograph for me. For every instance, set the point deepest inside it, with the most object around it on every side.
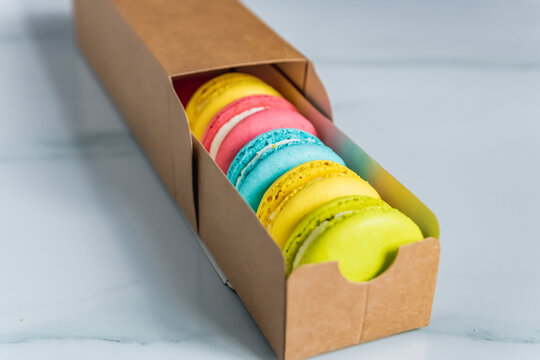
(313, 206)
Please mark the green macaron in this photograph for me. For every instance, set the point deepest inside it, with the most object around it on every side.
(363, 234)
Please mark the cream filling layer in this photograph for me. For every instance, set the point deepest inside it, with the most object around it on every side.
(261, 153)
(313, 235)
(227, 127)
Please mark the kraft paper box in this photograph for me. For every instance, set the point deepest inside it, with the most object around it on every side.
(150, 55)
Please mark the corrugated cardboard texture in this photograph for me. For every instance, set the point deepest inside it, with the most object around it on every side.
(143, 92)
(193, 35)
(326, 312)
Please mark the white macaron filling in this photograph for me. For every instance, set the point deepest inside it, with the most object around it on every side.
(227, 127)
(260, 153)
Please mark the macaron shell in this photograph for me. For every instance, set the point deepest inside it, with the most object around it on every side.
(316, 193)
(272, 140)
(255, 125)
(316, 220)
(291, 181)
(238, 107)
(217, 93)
(364, 244)
(269, 169)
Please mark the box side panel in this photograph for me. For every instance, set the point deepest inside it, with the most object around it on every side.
(182, 157)
(142, 92)
(401, 298)
(192, 35)
(306, 80)
(315, 92)
(245, 252)
(326, 312)
(295, 72)
(391, 190)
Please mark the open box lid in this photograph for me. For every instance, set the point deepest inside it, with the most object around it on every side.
(192, 36)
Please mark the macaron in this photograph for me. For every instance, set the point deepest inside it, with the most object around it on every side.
(255, 125)
(264, 159)
(363, 234)
(303, 189)
(232, 114)
(219, 92)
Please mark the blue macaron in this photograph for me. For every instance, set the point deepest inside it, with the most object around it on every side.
(268, 156)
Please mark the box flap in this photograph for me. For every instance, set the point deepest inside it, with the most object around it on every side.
(193, 35)
(327, 312)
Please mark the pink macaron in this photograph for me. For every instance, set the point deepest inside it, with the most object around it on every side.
(232, 114)
(255, 125)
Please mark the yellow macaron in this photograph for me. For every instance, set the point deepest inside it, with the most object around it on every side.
(219, 92)
(303, 189)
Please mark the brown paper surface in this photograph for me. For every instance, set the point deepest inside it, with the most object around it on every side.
(143, 93)
(327, 312)
(193, 35)
(247, 255)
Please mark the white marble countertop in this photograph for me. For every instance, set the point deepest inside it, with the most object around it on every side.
(97, 262)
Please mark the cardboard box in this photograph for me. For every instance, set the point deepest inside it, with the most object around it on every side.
(142, 51)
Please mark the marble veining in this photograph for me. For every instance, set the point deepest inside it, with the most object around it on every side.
(92, 145)
(96, 261)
